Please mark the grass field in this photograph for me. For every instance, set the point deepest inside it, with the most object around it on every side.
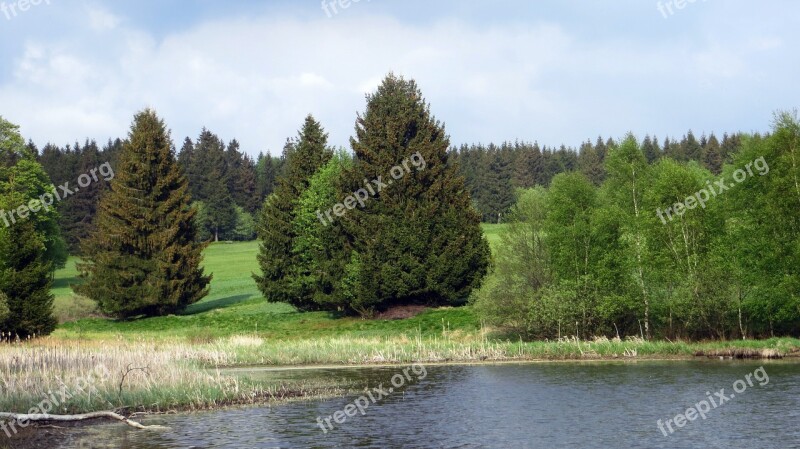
(235, 326)
(234, 305)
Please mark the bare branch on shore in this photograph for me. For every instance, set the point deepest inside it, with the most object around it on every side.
(44, 417)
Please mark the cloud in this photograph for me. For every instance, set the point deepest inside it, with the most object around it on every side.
(255, 77)
(101, 20)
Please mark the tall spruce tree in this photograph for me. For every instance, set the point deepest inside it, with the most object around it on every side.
(211, 170)
(78, 211)
(275, 229)
(418, 240)
(25, 278)
(142, 258)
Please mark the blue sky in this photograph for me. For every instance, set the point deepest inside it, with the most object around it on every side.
(552, 71)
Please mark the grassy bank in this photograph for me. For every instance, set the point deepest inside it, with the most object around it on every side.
(168, 363)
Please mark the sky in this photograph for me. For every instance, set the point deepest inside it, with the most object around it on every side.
(556, 72)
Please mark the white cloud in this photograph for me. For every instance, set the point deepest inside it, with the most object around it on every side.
(256, 78)
(101, 20)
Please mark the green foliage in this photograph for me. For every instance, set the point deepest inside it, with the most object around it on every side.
(275, 225)
(244, 228)
(142, 258)
(318, 249)
(417, 240)
(25, 277)
(660, 249)
(20, 172)
(5, 312)
(514, 295)
(30, 242)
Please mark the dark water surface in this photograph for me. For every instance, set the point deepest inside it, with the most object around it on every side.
(543, 405)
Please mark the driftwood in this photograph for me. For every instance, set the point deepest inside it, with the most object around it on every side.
(82, 417)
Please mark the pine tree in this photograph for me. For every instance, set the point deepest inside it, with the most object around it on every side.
(186, 161)
(267, 172)
(212, 184)
(650, 149)
(142, 258)
(528, 166)
(692, 149)
(25, 279)
(27, 243)
(712, 155)
(590, 165)
(417, 240)
(275, 230)
(78, 211)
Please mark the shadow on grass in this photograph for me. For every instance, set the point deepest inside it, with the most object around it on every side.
(66, 282)
(221, 303)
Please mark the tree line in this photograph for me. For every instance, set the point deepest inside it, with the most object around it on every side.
(582, 259)
(494, 172)
(228, 187)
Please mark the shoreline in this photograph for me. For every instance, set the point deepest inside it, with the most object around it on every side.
(38, 434)
(789, 358)
(187, 377)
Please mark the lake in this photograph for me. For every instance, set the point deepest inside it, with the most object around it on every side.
(535, 405)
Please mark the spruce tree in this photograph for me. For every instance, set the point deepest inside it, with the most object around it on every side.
(25, 278)
(142, 258)
(78, 211)
(30, 242)
(712, 155)
(417, 240)
(275, 228)
(213, 181)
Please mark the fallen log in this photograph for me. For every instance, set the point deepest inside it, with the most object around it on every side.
(45, 417)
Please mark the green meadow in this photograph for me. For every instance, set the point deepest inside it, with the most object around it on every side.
(235, 306)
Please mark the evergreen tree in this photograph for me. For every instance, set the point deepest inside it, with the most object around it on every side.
(712, 155)
(529, 166)
(692, 149)
(25, 279)
(650, 149)
(30, 243)
(186, 161)
(213, 183)
(142, 258)
(590, 165)
(275, 229)
(267, 172)
(78, 210)
(418, 240)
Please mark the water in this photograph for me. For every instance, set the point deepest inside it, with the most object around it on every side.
(543, 405)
